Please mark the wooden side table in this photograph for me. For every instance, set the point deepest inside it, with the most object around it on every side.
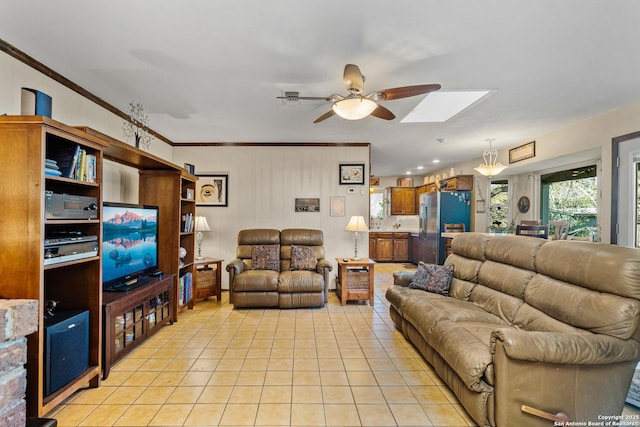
(355, 279)
(208, 278)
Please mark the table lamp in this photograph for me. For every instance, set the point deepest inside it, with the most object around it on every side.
(200, 226)
(356, 224)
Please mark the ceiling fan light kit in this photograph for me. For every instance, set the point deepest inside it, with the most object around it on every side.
(354, 108)
(491, 167)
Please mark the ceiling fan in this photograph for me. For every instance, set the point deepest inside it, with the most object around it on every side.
(355, 105)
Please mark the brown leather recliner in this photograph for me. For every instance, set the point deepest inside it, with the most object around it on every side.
(290, 286)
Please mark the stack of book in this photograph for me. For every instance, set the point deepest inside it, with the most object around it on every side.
(187, 222)
(185, 291)
(51, 168)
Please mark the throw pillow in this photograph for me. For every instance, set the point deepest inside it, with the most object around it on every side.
(303, 258)
(265, 257)
(432, 278)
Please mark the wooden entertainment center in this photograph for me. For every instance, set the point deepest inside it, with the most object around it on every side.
(133, 316)
(75, 282)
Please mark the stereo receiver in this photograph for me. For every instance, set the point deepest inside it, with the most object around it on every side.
(68, 206)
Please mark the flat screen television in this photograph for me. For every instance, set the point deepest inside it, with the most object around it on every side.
(129, 244)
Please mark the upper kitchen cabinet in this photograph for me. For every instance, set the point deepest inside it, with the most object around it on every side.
(402, 201)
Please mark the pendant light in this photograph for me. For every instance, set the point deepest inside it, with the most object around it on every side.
(491, 167)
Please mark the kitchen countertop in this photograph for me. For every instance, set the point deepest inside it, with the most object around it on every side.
(394, 230)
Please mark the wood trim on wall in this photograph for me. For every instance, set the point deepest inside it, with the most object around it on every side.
(42, 68)
(271, 144)
(54, 75)
(615, 179)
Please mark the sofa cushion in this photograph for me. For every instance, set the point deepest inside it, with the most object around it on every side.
(474, 364)
(584, 308)
(432, 278)
(256, 281)
(303, 258)
(266, 257)
(300, 281)
(425, 310)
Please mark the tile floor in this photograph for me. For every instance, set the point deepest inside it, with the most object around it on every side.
(338, 365)
(335, 366)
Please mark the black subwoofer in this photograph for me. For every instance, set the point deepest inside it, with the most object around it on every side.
(66, 345)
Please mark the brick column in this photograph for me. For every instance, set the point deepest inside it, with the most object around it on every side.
(18, 318)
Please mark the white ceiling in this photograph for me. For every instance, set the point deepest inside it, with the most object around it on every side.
(210, 70)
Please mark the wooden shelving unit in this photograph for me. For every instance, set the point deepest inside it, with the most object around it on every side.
(165, 185)
(167, 190)
(25, 142)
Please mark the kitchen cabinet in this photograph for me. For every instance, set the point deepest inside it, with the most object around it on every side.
(372, 246)
(389, 246)
(402, 201)
(417, 248)
(401, 247)
(457, 183)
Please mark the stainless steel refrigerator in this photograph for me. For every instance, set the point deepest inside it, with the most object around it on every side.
(436, 209)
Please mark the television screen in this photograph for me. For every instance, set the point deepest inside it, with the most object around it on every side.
(129, 242)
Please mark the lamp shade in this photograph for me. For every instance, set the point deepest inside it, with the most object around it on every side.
(490, 170)
(354, 108)
(491, 167)
(356, 223)
(202, 224)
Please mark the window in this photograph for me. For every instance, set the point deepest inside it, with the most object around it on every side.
(571, 195)
(637, 203)
(499, 206)
(376, 202)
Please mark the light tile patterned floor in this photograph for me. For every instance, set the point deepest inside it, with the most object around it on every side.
(335, 366)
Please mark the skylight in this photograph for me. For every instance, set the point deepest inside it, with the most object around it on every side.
(440, 106)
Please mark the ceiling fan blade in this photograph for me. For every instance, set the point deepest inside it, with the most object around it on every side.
(383, 113)
(406, 91)
(324, 116)
(309, 98)
(353, 78)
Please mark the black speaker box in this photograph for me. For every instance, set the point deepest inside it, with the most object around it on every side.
(66, 342)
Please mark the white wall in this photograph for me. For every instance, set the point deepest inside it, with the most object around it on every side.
(68, 106)
(263, 185)
(588, 139)
(582, 143)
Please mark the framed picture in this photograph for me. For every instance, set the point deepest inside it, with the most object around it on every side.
(338, 206)
(351, 174)
(307, 205)
(525, 151)
(523, 204)
(212, 190)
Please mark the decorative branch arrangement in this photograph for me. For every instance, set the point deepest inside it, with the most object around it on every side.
(137, 126)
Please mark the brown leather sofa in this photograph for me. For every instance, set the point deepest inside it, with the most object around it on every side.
(286, 285)
(549, 325)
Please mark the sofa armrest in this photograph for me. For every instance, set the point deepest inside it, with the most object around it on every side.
(236, 265)
(564, 348)
(322, 265)
(583, 376)
(402, 277)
